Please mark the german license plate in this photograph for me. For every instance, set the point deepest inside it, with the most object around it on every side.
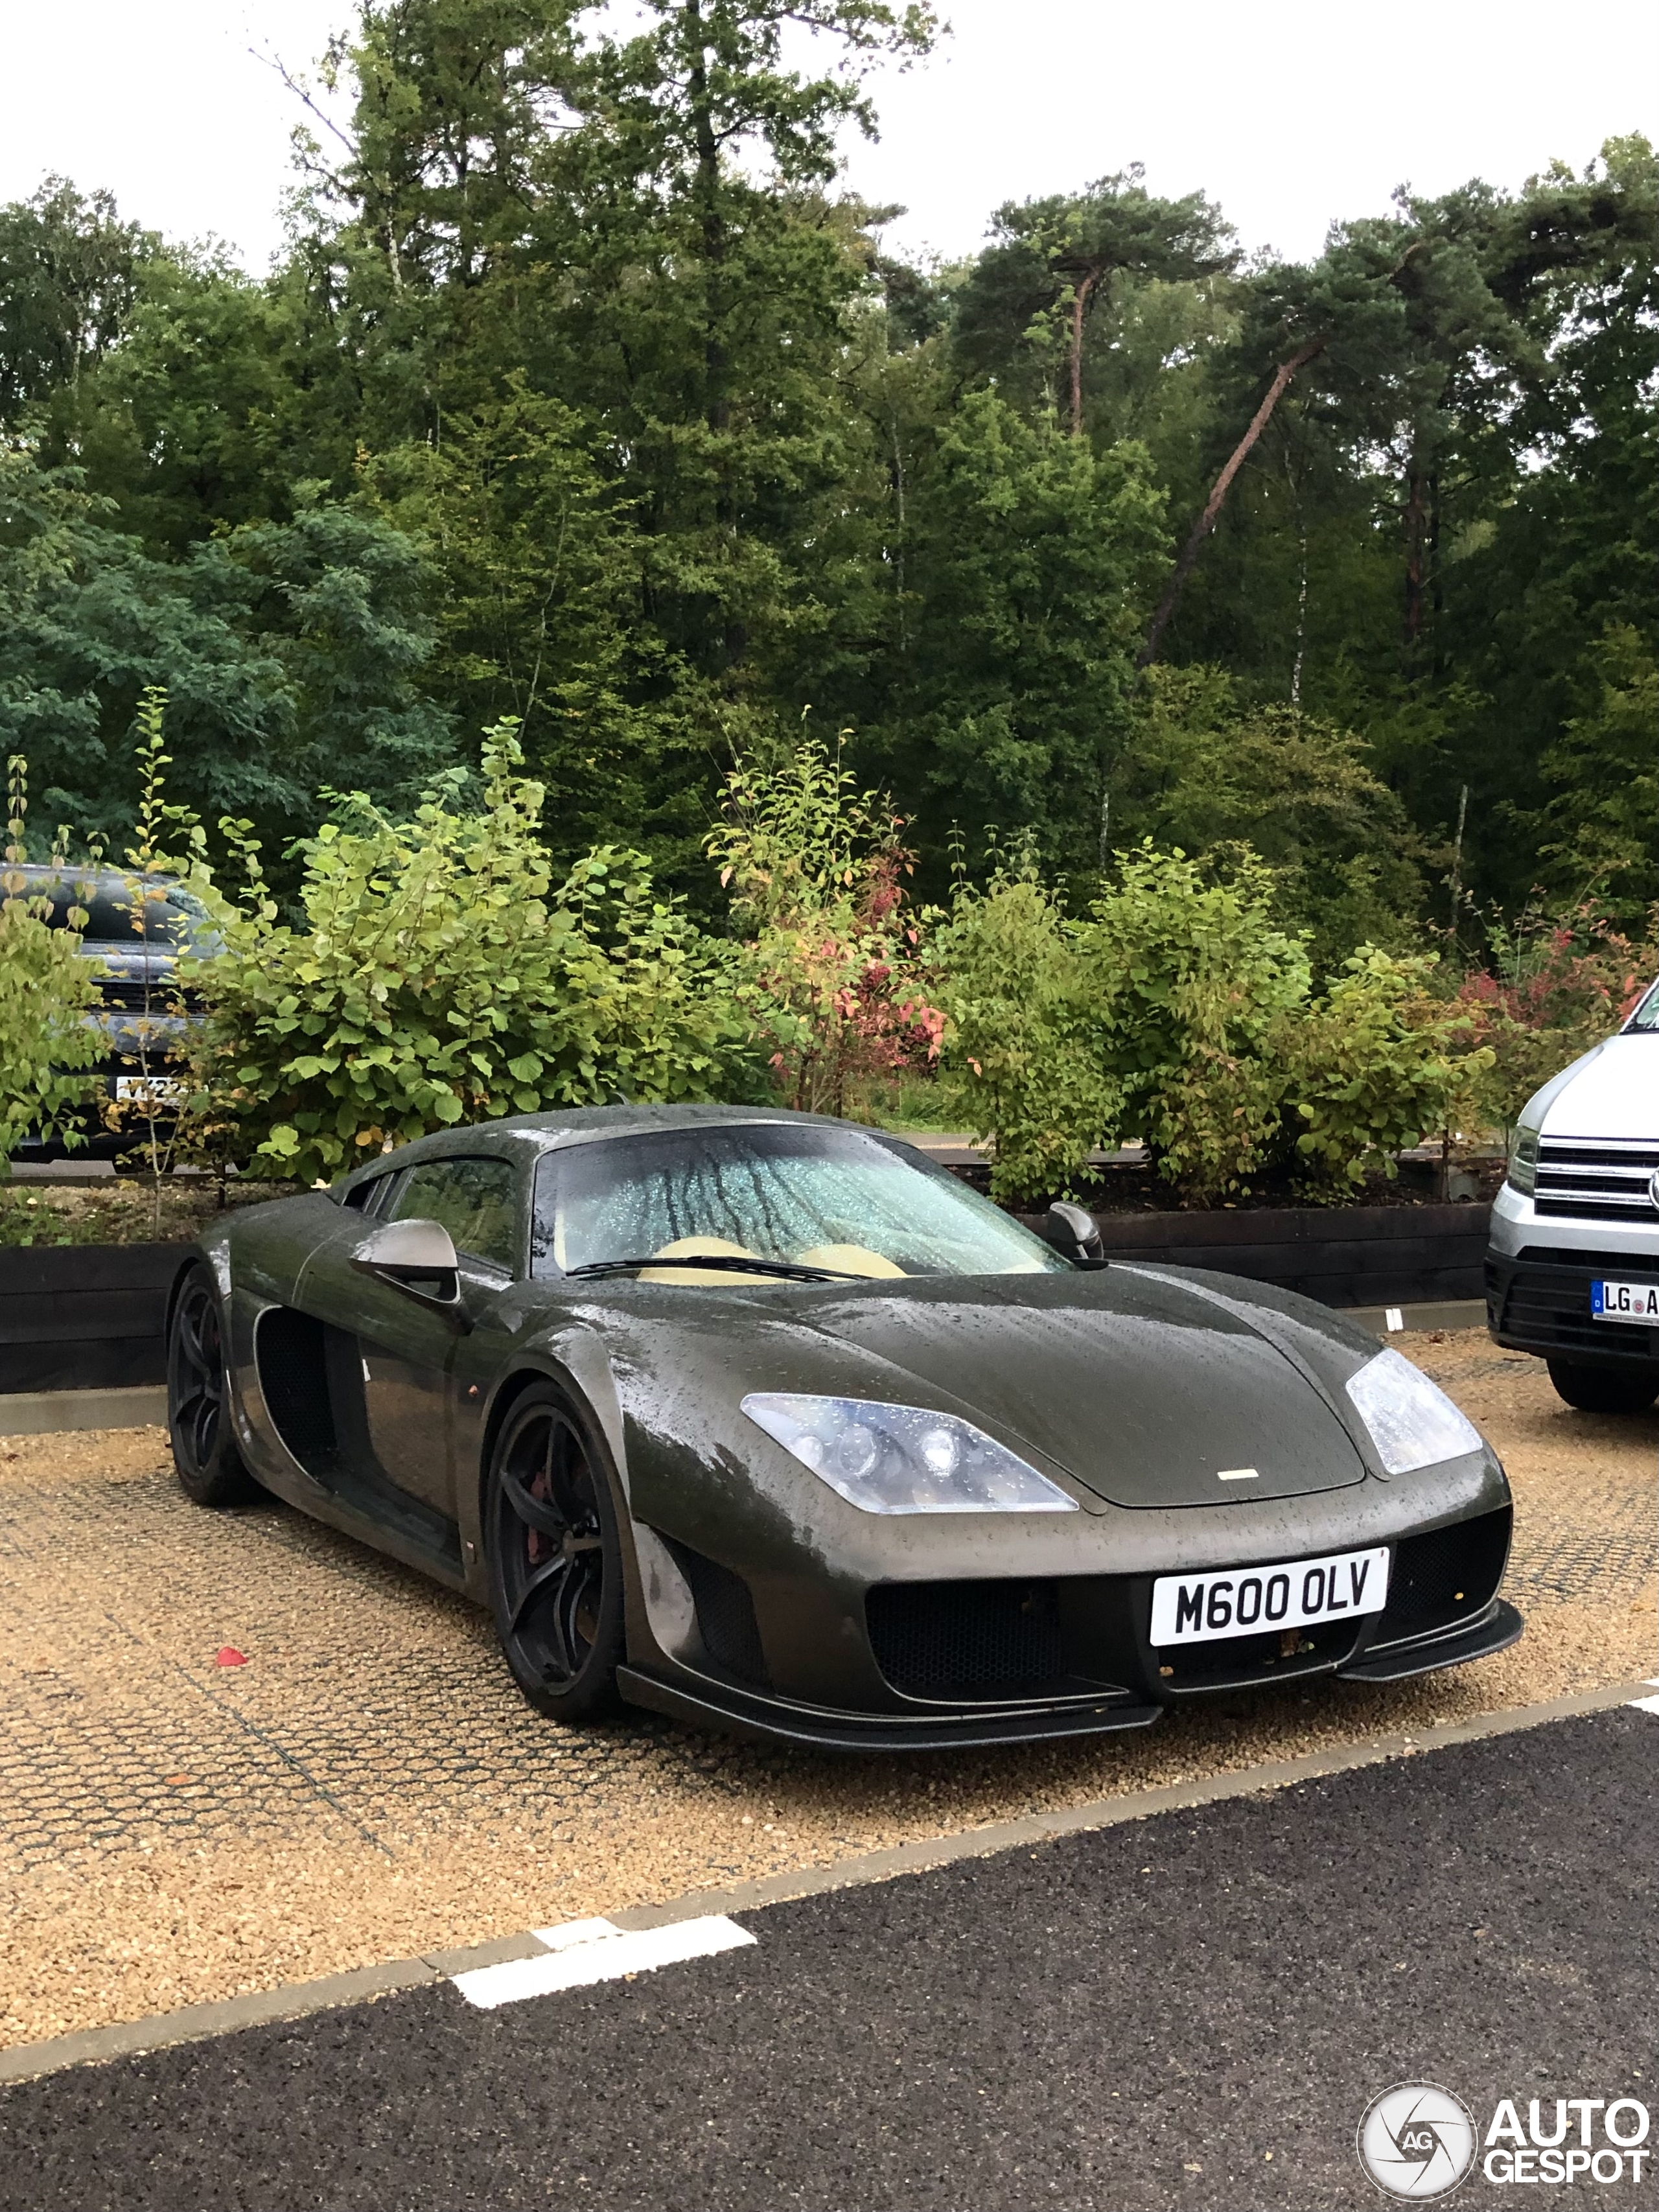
(1625, 1302)
(149, 1090)
(1244, 1601)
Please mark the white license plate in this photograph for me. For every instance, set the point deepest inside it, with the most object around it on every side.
(149, 1090)
(1245, 1601)
(1624, 1302)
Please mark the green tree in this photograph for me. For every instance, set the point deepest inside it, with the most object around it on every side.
(1027, 304)
(1028, 555)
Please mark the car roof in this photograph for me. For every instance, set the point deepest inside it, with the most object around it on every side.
(515, 1134)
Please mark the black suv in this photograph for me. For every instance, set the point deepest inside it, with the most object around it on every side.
(137, 928)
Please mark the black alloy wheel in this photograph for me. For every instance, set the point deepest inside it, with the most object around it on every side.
(198, 1402)
(555, 1559)
(1604, 1390)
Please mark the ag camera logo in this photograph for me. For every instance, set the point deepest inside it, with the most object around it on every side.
(1417, 2141)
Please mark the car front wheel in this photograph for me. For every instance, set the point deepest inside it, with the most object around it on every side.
(198, 1399)
(555, 1583)
(1604, 1390)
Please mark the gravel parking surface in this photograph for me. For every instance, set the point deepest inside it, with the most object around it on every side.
(368, 1784)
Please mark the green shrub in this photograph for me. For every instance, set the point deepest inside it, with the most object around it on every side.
(442, 976)
(815, 870)
(46, 991)
(1194, 974)
(1027, 1036)
(1179, 1012)
(1375, 1065)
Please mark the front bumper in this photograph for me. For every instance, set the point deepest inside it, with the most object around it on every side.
(1538, 1300)
(1092, 1633)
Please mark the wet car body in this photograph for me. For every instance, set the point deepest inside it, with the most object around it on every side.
(756, 1597)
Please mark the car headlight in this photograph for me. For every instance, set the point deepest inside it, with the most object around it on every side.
(1523, 1161)
(1412, 1420)
(903, 1459)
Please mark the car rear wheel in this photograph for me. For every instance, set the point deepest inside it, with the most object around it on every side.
(1604, 1390)
(555, 1559)
(198, 1400)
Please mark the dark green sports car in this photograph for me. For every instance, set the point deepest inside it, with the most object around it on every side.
(765, 1421)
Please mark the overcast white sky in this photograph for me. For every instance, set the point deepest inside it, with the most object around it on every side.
(1288, 115)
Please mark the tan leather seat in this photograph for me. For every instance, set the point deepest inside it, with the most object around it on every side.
(849, 1260)
(695, 1247)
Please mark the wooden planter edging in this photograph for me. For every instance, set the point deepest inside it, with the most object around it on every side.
(1348, 1255)
(84, 1317)
(92, 1317)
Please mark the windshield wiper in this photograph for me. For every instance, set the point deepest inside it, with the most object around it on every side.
(726, 1262)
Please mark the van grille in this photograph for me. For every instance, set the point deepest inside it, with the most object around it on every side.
(1595, 1179)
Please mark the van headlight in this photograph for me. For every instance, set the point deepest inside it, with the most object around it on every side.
(903, 1459)
(1523, 1161)
(1412, 1420)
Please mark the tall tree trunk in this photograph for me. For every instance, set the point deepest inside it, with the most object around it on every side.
(1206, 521)
(717, 412)
(1416, 543)
(1079, 302)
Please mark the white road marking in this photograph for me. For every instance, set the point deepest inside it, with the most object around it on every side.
(1392, 1319)
(583, 1952)
(1646, 1704)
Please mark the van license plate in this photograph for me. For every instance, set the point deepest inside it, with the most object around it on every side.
(1244, 1601)
(1625, 1302)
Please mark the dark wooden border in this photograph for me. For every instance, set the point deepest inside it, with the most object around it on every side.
(1350, 1255)
(91, 1316)
(84, 1317)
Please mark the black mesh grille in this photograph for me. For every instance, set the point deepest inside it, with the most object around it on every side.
(725, 1615)
(1445, 1576)
(975, 1640)
(1542, 1301)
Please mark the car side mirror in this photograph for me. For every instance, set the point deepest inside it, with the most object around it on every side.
(1072, 1230)
(418, 1258)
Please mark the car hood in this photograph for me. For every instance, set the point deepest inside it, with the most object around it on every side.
(1612, 1091)
(1143, 1388)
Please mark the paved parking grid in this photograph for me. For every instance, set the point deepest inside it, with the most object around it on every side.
(1191, 2010)
(368, 1786)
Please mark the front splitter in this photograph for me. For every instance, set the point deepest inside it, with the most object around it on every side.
(760, 1722)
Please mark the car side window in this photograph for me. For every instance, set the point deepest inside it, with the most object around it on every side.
(475, 1199)
(368, 1197)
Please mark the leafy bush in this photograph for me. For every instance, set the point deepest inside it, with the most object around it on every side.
(46, 991)
(1027, 1035)
(815, 870)
(440, 976)
(1179, 1012)
(1556, 984)
(1378, 1064)
(1195, 975)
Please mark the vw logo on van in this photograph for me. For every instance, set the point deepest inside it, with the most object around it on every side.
(1653, 1188)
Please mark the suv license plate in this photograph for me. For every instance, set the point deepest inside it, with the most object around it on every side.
(1244, 1601)
(149, 1090)
(1626, 1301)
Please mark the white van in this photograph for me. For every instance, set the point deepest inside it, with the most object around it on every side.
(1572, 1269)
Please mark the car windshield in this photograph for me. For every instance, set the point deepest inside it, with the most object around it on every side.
(1646, 1016)
(838, 1200)
(123, 910)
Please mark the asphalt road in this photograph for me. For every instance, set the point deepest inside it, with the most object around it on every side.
(1191, 2010)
